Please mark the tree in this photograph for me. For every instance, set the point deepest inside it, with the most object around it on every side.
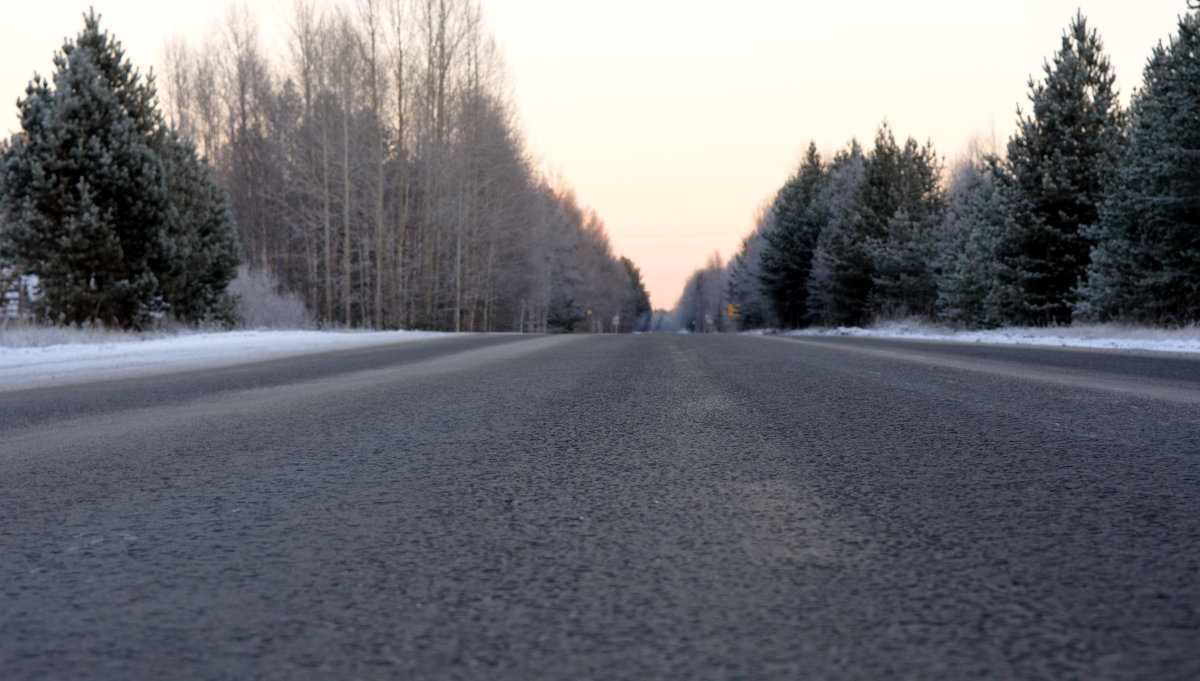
(85, 195)
(905, 206)
(701, 308)
(975, 287)
(201, 255)
(745, 287)
(1061, 157)
(381, 174)
(637, 309)
(1146, 261)
(839, 285)
(107, 206)
(786, 259)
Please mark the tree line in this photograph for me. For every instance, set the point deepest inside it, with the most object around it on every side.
(377, 171)
(1093, 213)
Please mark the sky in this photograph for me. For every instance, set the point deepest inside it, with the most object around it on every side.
(677, 119)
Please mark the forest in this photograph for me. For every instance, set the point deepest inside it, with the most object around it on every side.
(1092, 213)
(376, 172)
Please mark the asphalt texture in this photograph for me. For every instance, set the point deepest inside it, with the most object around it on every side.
(634, 507)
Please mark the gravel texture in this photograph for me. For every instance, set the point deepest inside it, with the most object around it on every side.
(635, 507)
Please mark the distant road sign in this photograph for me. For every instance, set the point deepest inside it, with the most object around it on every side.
(735, 310)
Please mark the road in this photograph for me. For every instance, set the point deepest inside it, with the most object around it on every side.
(635, 507)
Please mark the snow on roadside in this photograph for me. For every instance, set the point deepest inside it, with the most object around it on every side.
(1102, 336)
(30, 367)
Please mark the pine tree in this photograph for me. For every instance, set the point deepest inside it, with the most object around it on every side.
(1146, 263)
(200, 255)
(786, 260)
(906, 207)
(744, 287)
(637, 310)
(879, 219)
(108, 206)
(975, 287)
(1061, 157)
(839, 285)
(85, 199)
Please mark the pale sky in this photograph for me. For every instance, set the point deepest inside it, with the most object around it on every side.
(676, 119)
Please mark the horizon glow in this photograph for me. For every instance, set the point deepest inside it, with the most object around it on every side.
(676, 120)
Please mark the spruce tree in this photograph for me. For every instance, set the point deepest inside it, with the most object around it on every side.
(1061, 157)
(906, 208)
(786, 260)
(744, 287)
(637, 310)
(116, 215)
(200, 254)
(1146, 263)
(839, 285)
(975, 286)
(85, 199)
(881, 213)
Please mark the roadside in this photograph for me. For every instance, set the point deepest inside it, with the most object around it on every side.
(1101, 336)
(126, 355)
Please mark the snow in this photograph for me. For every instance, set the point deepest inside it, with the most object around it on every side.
(1098, 336)
(79, 362)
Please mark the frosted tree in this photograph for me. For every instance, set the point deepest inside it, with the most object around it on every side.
(1061, 157)
(113, 212)
(636, 308)
(840, 283)
(200, 254)
(975, 286)
(904, 206)
(84, 193)
(787, 254)
(380, 173)
(701, 307)
(745, 286)
(1146, 262)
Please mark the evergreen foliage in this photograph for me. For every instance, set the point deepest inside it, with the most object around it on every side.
(85, 199)
(786, 260)
(1146, 263)
(1094, 213)
(637, 311)
(113, 213)
(565, 316)
(975, 287)
(1061, 158)
(201, 253)
(744, 287)
(839, 284)
(905, 206)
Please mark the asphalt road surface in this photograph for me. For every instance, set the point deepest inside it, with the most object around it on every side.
(636, 507)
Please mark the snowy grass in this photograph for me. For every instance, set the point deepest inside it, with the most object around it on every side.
(1103, 336)
(20, 335)
(47, 356)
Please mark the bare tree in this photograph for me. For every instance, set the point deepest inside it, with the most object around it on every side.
(381, 172)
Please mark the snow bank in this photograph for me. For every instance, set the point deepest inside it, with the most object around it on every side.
(1103, 336)
(29, 367)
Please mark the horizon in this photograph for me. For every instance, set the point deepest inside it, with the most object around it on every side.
(674, 144)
